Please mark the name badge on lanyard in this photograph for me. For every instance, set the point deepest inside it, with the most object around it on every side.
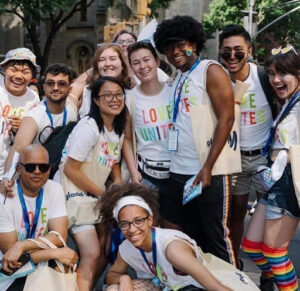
(173, 139)
(174, 132)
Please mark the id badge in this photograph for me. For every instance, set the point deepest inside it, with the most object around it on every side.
(173, 139)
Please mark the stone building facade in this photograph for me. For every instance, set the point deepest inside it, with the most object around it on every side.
(77, 41)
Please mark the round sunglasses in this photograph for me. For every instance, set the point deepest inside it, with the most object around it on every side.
(227, 55)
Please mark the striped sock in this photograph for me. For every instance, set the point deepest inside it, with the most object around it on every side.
(254, 251)
(283, 269)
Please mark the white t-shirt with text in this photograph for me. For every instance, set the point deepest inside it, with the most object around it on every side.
(11, 214)
(12, 105)
(152, 118)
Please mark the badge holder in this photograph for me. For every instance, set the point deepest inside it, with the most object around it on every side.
(173, 139)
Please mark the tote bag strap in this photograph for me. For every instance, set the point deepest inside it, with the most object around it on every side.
(132, 114)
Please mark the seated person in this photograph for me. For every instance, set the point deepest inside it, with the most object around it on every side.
(157, 259)
(38, 206)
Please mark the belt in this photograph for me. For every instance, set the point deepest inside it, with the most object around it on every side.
(251, 153)
(161, 171)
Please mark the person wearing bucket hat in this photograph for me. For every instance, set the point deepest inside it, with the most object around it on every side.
(19, 67)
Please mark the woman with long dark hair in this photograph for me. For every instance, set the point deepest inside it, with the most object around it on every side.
(102, 129)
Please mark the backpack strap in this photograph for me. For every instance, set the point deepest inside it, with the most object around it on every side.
(268, 90)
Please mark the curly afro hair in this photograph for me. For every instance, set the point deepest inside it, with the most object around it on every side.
(111, 197)
(184, 27)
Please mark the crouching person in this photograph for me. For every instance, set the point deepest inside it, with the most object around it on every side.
(36, 208)
(159, 256)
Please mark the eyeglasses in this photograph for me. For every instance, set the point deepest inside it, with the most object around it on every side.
(137, 222)
(237, 55)
(125, 41)
(60, 84)
(276, 51)
(30, 167)
(180, 45)
(108, 97)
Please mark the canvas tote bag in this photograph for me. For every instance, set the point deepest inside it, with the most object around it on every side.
(204, 122)
(81, 206)
(46, 278)
(226, 273)
(124, 168)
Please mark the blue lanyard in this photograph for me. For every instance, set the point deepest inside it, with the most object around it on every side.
(38, 205)
(285, 112)
(177, 100)
(154, 254)
(50, 116)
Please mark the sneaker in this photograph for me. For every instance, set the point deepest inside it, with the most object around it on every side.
(266, 284)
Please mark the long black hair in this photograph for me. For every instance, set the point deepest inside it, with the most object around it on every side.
(119, 121)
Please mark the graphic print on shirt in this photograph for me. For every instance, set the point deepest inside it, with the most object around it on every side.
(7, 111)
(42, 227)
(251, 112)
(155, 123)
(109, 153)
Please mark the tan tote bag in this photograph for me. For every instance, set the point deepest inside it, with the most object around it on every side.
(294, 152)
(46, 278)
(81, 206)
(226, 273)
(203, 125)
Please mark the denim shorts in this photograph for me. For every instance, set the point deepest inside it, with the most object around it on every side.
(281, 198)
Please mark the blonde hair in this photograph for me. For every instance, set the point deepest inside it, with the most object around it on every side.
(124, 78)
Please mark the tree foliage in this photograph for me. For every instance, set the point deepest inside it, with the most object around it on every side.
(33, 12)
(158, 4)
(286, 30)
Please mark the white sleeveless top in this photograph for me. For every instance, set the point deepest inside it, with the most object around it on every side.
(132, 256)
(185, 160)
(256, 115)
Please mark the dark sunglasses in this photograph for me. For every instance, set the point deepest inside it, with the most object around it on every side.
(30, 168)
(227, 55)
(60, 84)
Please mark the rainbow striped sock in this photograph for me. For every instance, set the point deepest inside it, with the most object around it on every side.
(283, 269)
(254, 251)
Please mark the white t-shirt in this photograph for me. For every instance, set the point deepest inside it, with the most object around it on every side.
(12, 105)
(85, 136)
(11, 215)
(185, 160)
(287, 132)
(42, 120)
(132, 256)
(256, 115)
(152, 118)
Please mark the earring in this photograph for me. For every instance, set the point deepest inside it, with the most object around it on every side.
(188, 52)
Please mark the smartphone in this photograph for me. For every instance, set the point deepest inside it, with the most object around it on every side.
(24, 259)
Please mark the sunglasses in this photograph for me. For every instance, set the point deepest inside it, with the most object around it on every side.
(237, 55)
(60, 84)
(276, 51)
(30, 167)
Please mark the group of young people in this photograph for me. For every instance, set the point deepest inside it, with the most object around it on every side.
(129, 114)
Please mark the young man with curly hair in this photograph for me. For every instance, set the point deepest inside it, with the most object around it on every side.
(205, 218)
